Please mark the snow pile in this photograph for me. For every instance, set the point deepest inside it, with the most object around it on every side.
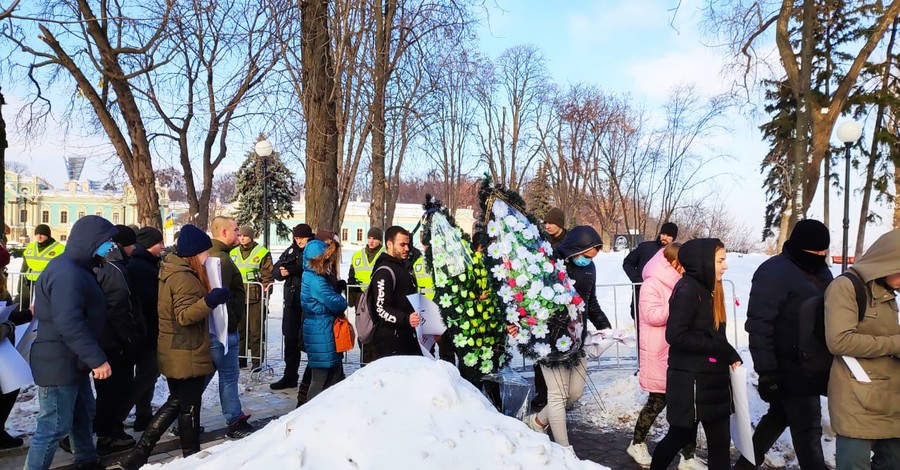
(400, 412)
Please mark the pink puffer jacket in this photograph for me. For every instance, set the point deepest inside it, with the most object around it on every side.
(659, 280)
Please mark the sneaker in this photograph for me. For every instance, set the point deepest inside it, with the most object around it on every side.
(639, 453)
(694, 463)
(283, 384)
(9, 442)
(65, 445)
(532, 422)
(240, 428)
(110, 445)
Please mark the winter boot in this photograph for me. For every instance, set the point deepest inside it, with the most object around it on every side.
(189, 431)
(302, 393)
(137, 456)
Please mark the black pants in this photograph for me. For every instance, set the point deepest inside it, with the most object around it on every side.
(146, 371)
(291, 325)
(803, 414)
(189, 392)
(7, 401)
(113, 404)
(718, 439)
(656, 402)
(540, 389)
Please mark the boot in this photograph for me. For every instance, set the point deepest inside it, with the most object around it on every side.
(137, 456)
(302, 393)
(189, 431)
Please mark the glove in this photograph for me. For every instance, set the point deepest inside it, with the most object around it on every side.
(768, 386)
(341, 287)
(217, 297)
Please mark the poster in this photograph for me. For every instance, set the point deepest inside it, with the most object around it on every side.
(218, 319)
(14, 371)
(741, 431)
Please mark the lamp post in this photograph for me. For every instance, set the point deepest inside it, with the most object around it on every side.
(848, 133)
(264, 149)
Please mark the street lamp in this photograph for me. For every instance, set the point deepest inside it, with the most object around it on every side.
(848, 133)
(264, 149)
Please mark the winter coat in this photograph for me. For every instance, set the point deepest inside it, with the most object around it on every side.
(292, 261)
(321, 305)
(183, 346)
(778, 290)
(635, 262)
(866, 410)
(144, 271)
(231, 278)
(71, 309)
(266, 272)
(578, 240)
(659, 280)
(391, 309)
(698, 386)
(124, 329)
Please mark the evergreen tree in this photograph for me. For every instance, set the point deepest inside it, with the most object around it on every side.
(249, 193)
(539, 195)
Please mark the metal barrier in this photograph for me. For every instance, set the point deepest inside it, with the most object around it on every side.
(263, 305)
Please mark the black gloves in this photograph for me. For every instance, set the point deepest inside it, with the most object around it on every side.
(768, 386)
(341, 287)
(217, 297)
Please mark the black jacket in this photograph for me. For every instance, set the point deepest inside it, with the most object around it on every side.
(144, 271)
(578, 240)
(292, 261)
(779, 287)
(636, 260)
(71, 309)
(698, 383)
(391, 309)
(121, 332)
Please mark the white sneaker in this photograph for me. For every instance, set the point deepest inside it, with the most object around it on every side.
(531, 421)
(639, 453)
(695, 463)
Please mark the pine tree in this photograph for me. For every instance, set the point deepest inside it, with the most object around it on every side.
(539, 196)
(249, 193)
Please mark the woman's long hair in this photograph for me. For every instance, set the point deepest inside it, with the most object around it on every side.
(200, 270)
(326, 262)
(719, 313)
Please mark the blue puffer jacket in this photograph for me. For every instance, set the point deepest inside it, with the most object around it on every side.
(321, 305)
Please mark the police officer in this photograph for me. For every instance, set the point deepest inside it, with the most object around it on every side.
(37, 254)
(361, 265)
(255, 264)
(289, 269)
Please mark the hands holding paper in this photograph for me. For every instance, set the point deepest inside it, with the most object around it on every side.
(414, 319)
(103, 371)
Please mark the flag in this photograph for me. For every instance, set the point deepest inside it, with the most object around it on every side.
(170, 220)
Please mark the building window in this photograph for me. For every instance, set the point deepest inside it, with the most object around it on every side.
(99, 213)
(63, 238)
(23, 216)
(80, 214)
(344, 234)
(64, 217)
(359, 235)
(45, 217)
(116, 218)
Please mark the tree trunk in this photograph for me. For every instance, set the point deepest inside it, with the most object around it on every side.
(804, 105)
(826, 196)
(384, 21)
(319, 106)
(3, 146)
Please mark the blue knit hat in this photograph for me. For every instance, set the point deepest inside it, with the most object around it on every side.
(192, 241)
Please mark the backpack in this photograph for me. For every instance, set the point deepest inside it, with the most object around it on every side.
(811, 347)
(365, 324)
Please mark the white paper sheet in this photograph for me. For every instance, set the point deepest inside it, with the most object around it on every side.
(218, 319)
(14, 371)
(426, 340)
(430, 313)
(598, 342)
(741, 431)
(6, 310)
(856, 369)
(25, 338)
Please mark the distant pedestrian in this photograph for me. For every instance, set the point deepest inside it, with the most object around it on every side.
(255, 265)
(36, 256)
(638, 257)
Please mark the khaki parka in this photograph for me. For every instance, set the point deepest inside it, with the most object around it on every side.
(183, 348)
(858, 409)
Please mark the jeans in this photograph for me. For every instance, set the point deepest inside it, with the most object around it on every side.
(856, 454)
(65, 410)
(229, 372)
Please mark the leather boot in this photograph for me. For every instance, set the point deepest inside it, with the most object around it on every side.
(137, 456)
(302, 393)
(189, 431)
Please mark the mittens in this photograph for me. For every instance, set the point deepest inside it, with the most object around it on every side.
(217, 297)
(768, 386)
(341, 287)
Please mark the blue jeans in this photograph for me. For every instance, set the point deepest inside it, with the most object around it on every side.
(856, 454)
(229, 372)
(66, 410)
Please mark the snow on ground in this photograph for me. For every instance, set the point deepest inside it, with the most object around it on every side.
(401, 412)
(613, 397)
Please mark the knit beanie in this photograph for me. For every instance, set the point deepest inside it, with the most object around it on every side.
(246, 231)
(810, 235)
(303, 231)
(42, 229)
(556, 217)
(670, 229)
(325, 235)
(148, 236)
(124, 236)
(192, 241)
(376, 233)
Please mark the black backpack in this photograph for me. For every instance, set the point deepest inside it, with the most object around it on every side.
(814, 354)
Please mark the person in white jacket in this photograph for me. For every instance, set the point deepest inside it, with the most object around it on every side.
(659, 276)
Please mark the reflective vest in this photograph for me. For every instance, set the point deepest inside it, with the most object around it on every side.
(37, 260)
(249, 267)
(362, 269)
(423, 278)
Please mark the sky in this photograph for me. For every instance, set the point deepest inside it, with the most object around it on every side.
(639, 47)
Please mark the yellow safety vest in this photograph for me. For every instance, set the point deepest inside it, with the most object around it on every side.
(362, 269)
(37, 260)
(249, 267)
(423, 278)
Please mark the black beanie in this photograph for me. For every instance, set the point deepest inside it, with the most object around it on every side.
(556, 217)
(124, 236)
(810, 235)
(192, 241)
(148, 236)
(376, 233)
(669, 228)
(303, 231)
(42, 229)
